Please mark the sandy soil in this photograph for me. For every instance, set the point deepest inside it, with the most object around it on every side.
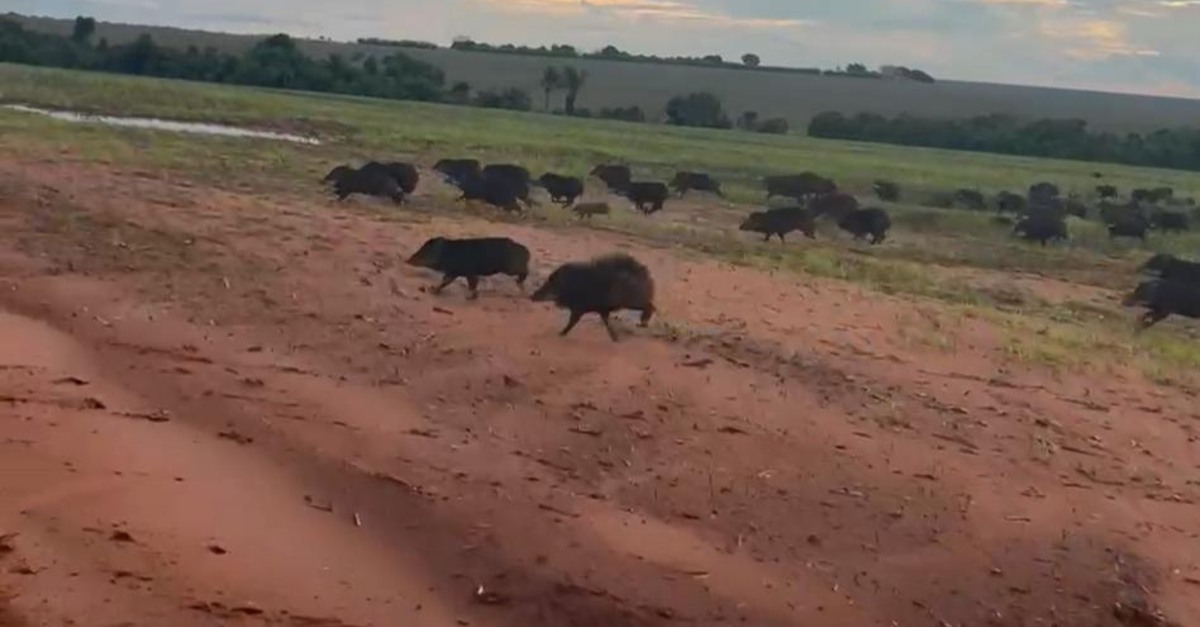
(224, 408)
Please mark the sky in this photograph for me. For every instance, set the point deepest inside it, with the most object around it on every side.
(1139, 46)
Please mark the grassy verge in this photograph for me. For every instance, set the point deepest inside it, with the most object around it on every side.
(934, 254)
(361, 125)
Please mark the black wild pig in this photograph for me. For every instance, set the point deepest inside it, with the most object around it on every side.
(1111, 213)
(1132, 226)
(616, 177)
(337, 173)
(798, 186)
(589, 209)
(887, 191)
(1075, 207)
(1172, 268)
(562, 189)
(601, 286)
(1008, 202)
(834, 205)
(471, 259)
(780, 222)
(512, 177)
(970, 199)
(1043, 191)
(1041, 229)
(497, 192)
(406, 175)
(648, 197)
(1162, 298)
(515, 173)
(1161, 194)
(370, 182)
(457, 171)
(1170, 221)
(870, 222)
(695, 181)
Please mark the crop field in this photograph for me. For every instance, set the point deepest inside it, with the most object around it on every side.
(794, 97)
(226, 398)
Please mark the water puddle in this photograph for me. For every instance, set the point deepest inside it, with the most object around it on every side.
(202, 128)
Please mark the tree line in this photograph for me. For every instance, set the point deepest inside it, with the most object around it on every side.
(278, 62)
(275, 61)
(997, 133)
(748, 61)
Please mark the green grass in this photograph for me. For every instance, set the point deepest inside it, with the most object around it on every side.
(360, 127)
(934, 253)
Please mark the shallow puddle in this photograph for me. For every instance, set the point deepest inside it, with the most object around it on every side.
(203, 128)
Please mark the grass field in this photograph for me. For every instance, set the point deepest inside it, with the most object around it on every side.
(934, 253)
(795, 97)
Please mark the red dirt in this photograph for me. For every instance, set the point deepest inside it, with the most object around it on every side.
(224, 408)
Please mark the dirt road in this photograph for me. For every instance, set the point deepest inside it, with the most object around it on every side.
(222, 408)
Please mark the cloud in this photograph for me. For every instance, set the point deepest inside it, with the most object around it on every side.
(1091, 39)
(1027, 3)
(661, 10)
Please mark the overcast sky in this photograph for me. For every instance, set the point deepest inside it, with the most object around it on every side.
(1147, 46)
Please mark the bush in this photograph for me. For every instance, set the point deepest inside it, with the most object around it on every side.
(1055, 138)
(627, 114)
(700, 109)
(773, 126)
(460, 93)
(513, 98)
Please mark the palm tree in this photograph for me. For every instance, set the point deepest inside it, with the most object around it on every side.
(573, 81)
(552, 81)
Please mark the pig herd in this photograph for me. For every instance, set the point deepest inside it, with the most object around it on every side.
(617, 282)
(508, 187)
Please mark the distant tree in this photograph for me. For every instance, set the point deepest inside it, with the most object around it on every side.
(573, 81)
(701, 109)
(773, 126)
(460, 93)
(829, 124)
(751, 60)
(84, 28)
(748, 121)
(713, 59)
(143, 56)
(552, 81)
(513, 98)
(920, 76)
(627, 114)
(610, 52)
(402, 43)
(856, 68)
